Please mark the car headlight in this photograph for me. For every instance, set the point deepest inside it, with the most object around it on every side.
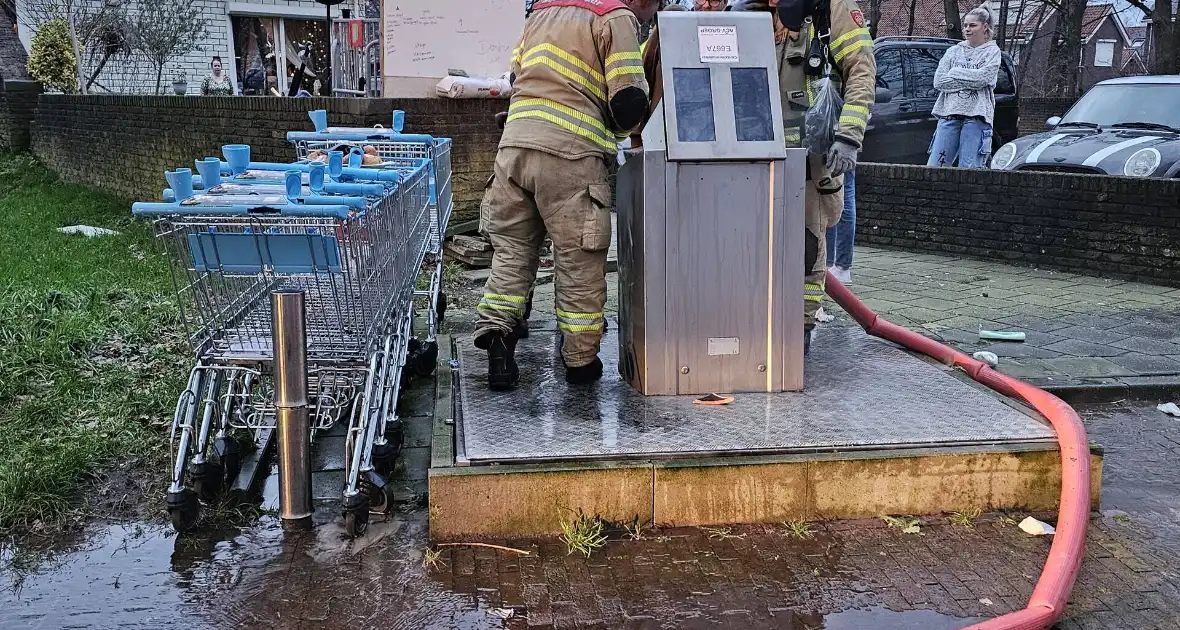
(1142, 163)
(1004, 156)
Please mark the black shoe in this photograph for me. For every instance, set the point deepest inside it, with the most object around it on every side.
(502, 370)
(584, 374)
(807, 333)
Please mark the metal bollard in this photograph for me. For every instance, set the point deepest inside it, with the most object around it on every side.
(291, 408)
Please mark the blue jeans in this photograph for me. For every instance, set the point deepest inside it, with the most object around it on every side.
(968, 139)
(842, 235)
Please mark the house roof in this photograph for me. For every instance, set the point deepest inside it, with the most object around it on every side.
(1136, 33)
(928, 18)
(1092, 20)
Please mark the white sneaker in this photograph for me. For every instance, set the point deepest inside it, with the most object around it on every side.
(843, 275)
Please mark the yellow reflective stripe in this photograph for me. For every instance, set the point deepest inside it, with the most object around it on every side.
(578, 327)
(846, 119)
(625, 56)
(614, 72)
(554, 50)
(813, 285)
(849, 42)
(582, 124)
(516, 57)
(515, 299)
(813, 298)
(561, 313)
(498, 307)
(847, 36)
(572, 75)
(643, 47)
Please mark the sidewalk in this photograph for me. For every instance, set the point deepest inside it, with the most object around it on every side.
(1082, 332)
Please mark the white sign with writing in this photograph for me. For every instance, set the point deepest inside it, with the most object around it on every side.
(718, 44)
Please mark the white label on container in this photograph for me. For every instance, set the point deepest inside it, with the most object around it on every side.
(718, 44)
(721, 346)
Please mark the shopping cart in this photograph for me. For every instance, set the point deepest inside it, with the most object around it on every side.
(265, 227)
(393, 147)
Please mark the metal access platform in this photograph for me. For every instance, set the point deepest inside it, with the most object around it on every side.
(877, 430)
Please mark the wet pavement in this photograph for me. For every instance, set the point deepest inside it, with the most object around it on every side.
(850, 574)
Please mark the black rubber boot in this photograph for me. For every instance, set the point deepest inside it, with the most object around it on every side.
(502, 371)
(522, 327)
(807, 332)
(584, 374)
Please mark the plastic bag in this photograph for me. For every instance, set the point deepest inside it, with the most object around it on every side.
(822, 118)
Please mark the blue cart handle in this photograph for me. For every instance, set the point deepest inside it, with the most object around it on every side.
(142, 209)
(312, 200)
(359, 135)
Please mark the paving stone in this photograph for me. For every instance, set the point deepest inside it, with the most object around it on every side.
(1147, 364)
(1092, 335)
(1144, 345)
(1161, 332)
(1084, 349)
(1091, 366)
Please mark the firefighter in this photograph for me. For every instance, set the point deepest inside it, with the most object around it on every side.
(809, 34)
(578, 89)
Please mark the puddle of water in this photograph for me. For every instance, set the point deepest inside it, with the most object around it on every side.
(129, 576)
(880, 618)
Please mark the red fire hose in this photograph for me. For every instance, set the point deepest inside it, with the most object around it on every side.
(1065, 555)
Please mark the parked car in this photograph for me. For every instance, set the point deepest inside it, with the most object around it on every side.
(1128, 126)
(902, 127)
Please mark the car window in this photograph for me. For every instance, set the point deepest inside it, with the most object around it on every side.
(920, 64)
(889, 73)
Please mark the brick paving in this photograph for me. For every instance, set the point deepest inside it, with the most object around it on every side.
(852, 574)
(1081, 331)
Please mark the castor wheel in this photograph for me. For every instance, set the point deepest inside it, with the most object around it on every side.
(230, 456)
(356, 514)
(184, 509)
(427, 359)
(377, 488)
(208, 480)
(385, 456)
(440, 307)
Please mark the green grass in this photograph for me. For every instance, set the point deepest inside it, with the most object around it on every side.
(92, 358)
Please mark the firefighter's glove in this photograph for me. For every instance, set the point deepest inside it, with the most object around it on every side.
(501, 118)
(750, 5)
(841, 158)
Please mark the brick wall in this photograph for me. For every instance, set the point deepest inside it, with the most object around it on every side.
(18, 106)
(125, 143)
(1107, 226)
(1035, 111)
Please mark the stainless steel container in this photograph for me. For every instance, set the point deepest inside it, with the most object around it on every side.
(711, 220)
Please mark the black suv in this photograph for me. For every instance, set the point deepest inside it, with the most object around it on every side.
(902, 126)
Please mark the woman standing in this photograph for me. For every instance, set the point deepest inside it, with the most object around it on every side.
(965, 80)
(217, 84)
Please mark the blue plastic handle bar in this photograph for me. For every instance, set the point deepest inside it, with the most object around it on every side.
(367, 174)
(309, 199)
(142, 209)
(332, 188)
(359, 133)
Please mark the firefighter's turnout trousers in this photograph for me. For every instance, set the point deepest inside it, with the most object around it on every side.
(530, 193)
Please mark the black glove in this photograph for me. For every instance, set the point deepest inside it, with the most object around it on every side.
(841, 158)
(501, 118)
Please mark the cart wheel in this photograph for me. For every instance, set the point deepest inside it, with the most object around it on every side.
(356, 515)
(184, 509)
(230, 454)
(385, 456)
(427, 360)
(379, 500)
(208, 480)
(440, 307)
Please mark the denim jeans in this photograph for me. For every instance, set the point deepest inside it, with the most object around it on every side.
(841, 235)
(968, 139)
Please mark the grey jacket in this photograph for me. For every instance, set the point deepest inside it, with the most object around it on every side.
(965, 80)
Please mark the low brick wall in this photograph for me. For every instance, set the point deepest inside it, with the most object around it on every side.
(1035, 111)
(1107, 226)
(18, 106)
(124, 144)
